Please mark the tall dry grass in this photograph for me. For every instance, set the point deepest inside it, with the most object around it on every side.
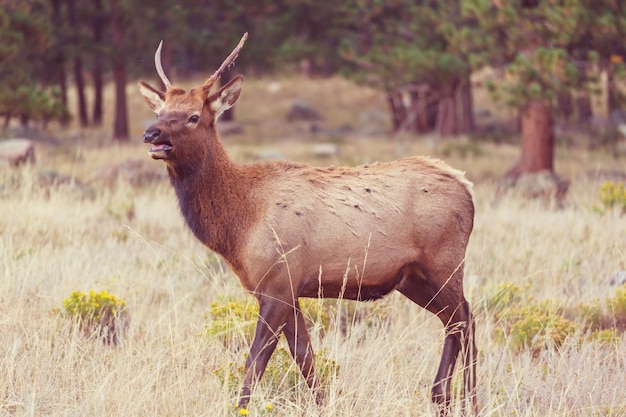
(132, 242)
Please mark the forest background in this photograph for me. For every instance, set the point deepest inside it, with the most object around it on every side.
(549, 58)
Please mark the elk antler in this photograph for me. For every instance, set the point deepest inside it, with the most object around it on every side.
(227, 62)
(159, 67)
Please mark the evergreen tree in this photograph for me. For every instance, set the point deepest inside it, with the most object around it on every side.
(548, 51)
(27, 91)
(400, 47)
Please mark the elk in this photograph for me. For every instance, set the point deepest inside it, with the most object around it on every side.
(289, 230)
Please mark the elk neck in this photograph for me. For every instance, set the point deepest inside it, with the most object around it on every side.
(215, 198)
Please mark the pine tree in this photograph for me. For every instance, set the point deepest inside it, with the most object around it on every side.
(401, 48)
(548, 51)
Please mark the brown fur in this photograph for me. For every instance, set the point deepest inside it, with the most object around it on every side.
(290, 230)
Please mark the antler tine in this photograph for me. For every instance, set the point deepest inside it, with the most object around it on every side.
(159, 67)
(228, 61)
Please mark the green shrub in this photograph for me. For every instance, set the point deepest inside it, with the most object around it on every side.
(101, 314)
(501, 298)
(607, 336)
(233, 321)
(281, 373)
(529, 324)
(537, 330)
(613, 195)
(526, 323)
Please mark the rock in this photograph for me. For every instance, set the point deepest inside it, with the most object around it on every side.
(303, 112)
(14, 152)
(330, 133)
(138, 172)
(324, 150)
(545, 186)
(274, 87)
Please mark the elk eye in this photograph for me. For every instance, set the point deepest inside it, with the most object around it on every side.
(194, 118)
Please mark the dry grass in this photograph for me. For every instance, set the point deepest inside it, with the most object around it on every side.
(132, 242)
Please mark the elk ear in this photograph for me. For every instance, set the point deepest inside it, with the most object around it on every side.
(153, 97)
(226, 97)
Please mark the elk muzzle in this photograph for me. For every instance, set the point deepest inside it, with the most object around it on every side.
(151, 134)
(161, 146)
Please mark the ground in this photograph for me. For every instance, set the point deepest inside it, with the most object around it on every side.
(131, 241)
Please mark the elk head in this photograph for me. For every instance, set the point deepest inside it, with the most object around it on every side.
(187, 116)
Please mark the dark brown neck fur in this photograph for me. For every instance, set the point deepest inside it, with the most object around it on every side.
(215, 199)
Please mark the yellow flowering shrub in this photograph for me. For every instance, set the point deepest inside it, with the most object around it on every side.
(526, 323)
(98, 313)
(612, 195)
(538, 330)
(606, 336)
(501, 298)
(233, 321)
(281, 374)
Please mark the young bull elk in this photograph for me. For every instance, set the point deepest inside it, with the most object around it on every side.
(290, 230)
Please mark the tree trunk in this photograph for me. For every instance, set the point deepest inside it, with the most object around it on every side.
(584, 109)
(97, 70)
(466, 122)
(83, 118)
(419, 117)
(59, 56)
(611, 91)
(446, 115)
(565, 103)
(98, 86)
(120, 120)
(396, 106)
(537, 140)
(422, 124)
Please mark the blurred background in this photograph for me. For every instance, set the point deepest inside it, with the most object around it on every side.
(533, 72)
(526, 96)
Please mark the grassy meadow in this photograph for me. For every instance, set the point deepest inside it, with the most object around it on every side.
(549, 317)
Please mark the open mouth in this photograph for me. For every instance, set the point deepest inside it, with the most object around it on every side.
(160, 150)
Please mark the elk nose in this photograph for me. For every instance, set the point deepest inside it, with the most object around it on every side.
(151, 134)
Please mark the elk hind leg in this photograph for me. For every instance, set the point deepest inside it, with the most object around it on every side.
(450, 306)
(459, 338)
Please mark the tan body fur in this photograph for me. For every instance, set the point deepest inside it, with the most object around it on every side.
(289, 230)
(344, 223)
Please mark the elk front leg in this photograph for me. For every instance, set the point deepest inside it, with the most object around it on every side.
(273, 315)
(300, 346)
